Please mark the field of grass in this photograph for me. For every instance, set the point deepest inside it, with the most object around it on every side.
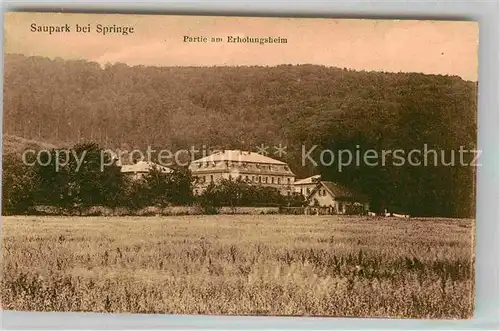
(242, 264)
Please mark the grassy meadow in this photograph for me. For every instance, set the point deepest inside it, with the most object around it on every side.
(241, 264)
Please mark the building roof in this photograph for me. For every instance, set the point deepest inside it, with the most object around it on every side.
(338, 191)
(309, 180)
(239, 156)
(143, 166)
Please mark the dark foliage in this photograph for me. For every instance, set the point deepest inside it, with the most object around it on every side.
(160, 189)
(19, 184)
(86, 177)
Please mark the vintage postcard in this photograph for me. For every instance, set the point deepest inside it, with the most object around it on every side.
(239, 166)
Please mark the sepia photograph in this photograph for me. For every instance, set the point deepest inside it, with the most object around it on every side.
(251, 166)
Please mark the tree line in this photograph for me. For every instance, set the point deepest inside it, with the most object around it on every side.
(70, 186)
(66, 102)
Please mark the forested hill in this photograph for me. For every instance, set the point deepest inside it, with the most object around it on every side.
(59, 101)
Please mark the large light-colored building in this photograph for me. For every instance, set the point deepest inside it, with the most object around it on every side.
(250, 167)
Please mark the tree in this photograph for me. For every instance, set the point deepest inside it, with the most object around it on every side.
(180, 189)
(19, 184)
(53, 181)
(158, 188)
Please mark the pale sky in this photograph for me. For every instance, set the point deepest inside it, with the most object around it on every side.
(435, 47)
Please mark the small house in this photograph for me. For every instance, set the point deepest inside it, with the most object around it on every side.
(339, 198)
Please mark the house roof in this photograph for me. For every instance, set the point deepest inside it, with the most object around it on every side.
(143, 166)
(309, 180)
(239, 156)
(338, 191)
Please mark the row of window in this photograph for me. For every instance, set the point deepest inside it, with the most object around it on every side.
(251, 179)
(230, 164)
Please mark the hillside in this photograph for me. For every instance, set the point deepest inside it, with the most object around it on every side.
(243, 107)
(17, 145)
